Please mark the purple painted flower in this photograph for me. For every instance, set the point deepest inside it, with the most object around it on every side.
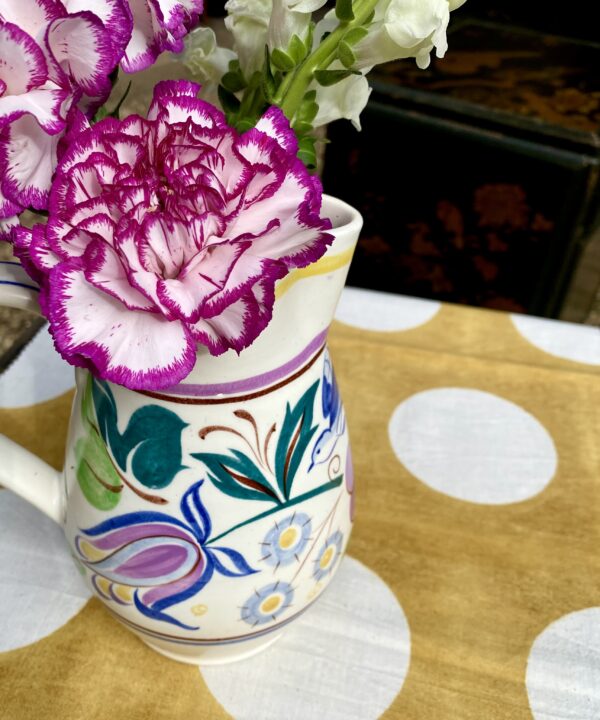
(164, 560)
(168, 232)
(57, 54)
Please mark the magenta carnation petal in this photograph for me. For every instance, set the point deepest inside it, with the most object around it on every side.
(187, 295)
(32, 15)
(236, 327)
(178, 100)
(105, 271)
(144, 45)
(81, 45)
(8, 225)
(275, 124)
(22, 63)
(168, 232)
(114, 15)
(136, 349)
(30, 156)
(8, 208)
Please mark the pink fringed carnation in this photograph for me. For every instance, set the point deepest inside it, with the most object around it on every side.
(168, 232)
(55, 54)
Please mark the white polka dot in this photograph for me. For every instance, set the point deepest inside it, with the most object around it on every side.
(41, 587)
(580, 343)
(37, 375)
(563, 670)
(345, 659)
(473, 445)
(383, 312)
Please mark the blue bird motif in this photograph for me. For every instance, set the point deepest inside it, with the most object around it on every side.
(333, 412)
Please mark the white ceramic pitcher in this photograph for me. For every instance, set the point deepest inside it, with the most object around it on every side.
(209, 516)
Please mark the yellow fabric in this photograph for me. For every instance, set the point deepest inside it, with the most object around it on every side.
(477, 583)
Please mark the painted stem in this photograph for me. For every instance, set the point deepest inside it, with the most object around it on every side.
(295, 501)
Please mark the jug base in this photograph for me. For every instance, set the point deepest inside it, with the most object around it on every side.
(214, 654)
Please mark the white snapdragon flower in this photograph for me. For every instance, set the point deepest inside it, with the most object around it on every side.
(346, 99)
(206, 60)
(248, 22)
(406, 28)
(288, 18)
(256, 23)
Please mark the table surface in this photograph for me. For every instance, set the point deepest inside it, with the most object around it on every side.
(472, 585)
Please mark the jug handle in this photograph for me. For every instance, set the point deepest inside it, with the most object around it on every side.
(20, 470)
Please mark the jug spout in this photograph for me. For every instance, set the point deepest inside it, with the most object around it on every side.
(305, 303)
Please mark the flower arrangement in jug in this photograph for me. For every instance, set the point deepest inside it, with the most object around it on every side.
(155, 235)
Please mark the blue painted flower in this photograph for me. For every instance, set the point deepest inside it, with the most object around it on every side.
(286, 540)
(165, 559)
(328, 556)
(268, 603)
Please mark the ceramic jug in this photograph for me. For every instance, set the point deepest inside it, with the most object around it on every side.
(208, 516)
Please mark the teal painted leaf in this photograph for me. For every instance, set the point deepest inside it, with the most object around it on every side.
(296, 434)
(237, 476)
(153, 436)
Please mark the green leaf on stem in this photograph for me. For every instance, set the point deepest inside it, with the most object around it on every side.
(331, 77)
(233, 81)
(282, 60)
(343, 10)
(355, 35)
(297, 50)
(267, 81)
(244, 125)
(229, 102)
(346, 54)
(307, 112)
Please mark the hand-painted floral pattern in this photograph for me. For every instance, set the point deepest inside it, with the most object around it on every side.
(241, 476)
(150, 448)
(328, 556)
(286, 540)
(168, 232)
(333, 413)
(166, 560)
(350, 481)
(267, 604)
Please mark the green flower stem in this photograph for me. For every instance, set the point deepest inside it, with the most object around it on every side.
(294, 501)
(249, 97)
(290, 96)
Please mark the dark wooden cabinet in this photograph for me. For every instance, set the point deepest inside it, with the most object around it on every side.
(478, 178)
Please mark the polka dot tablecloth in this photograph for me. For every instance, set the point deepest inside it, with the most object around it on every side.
(472, 585)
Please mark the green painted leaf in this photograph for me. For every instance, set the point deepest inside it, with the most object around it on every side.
(296, 433)
(237, 476)
(153, 435)
(96, 475)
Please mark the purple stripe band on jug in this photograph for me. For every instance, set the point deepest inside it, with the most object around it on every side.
(256, 382)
